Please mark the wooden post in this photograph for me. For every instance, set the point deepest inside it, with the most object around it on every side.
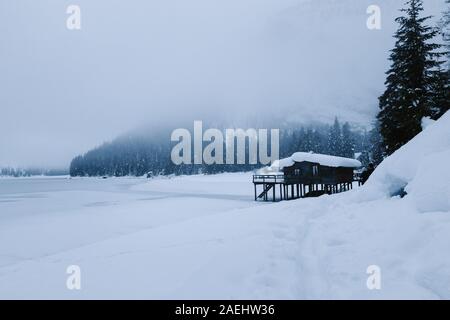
(255, 191)
(273, 193)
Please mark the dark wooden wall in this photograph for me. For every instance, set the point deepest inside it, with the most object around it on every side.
(304, 172)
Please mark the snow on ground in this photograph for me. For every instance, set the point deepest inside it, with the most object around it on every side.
(203, 236)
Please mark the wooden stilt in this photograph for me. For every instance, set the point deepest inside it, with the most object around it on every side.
(281, 192)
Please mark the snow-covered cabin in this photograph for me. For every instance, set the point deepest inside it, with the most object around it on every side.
(309, 173)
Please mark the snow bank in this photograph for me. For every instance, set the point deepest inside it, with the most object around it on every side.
(426, 121)
(430, 188)
(421, 168)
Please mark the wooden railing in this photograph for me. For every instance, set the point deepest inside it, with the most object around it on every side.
(268, 178)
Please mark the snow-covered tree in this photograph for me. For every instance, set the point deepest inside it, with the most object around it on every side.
(409, 79)
(439, 102)
(376, 145)
(348, 144)
(335, 139)
(445, 30)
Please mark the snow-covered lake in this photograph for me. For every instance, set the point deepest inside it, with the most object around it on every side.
(47, 224)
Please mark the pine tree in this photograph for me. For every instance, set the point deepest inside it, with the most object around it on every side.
(404, 103)
(309, 144)
(334, 139)
(439, 102)
(348, 144)
(376, 145)
(445, 31)
(301, 140)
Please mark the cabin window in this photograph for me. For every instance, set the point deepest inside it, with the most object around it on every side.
(315, 170)
(297, 172)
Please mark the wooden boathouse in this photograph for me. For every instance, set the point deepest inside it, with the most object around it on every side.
(304, 175)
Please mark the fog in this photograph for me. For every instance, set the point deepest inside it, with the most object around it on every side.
(137, 62)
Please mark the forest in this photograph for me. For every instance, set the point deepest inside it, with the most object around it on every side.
(141, 154)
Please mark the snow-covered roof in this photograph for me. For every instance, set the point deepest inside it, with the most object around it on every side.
(322, 159)
(280, 164)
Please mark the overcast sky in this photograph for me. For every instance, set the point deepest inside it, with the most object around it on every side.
(140, 62)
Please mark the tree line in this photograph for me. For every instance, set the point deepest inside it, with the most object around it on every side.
(29, 172)
(138, 154)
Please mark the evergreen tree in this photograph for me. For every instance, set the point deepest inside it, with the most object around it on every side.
(348, 144)
(309, 143)
(301, 146)
(334, 139)
(409, 79)
(319, 141)
(445, 31)
(376, 145)
(439, 102)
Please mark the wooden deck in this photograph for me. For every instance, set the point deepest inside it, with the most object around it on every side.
(294, 187)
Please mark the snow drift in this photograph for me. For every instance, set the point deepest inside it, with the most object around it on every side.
(421, 168)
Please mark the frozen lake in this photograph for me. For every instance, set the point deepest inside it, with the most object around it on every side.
(41, 195)
(43, 217)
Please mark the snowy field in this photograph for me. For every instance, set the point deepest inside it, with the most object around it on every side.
(203, 237)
